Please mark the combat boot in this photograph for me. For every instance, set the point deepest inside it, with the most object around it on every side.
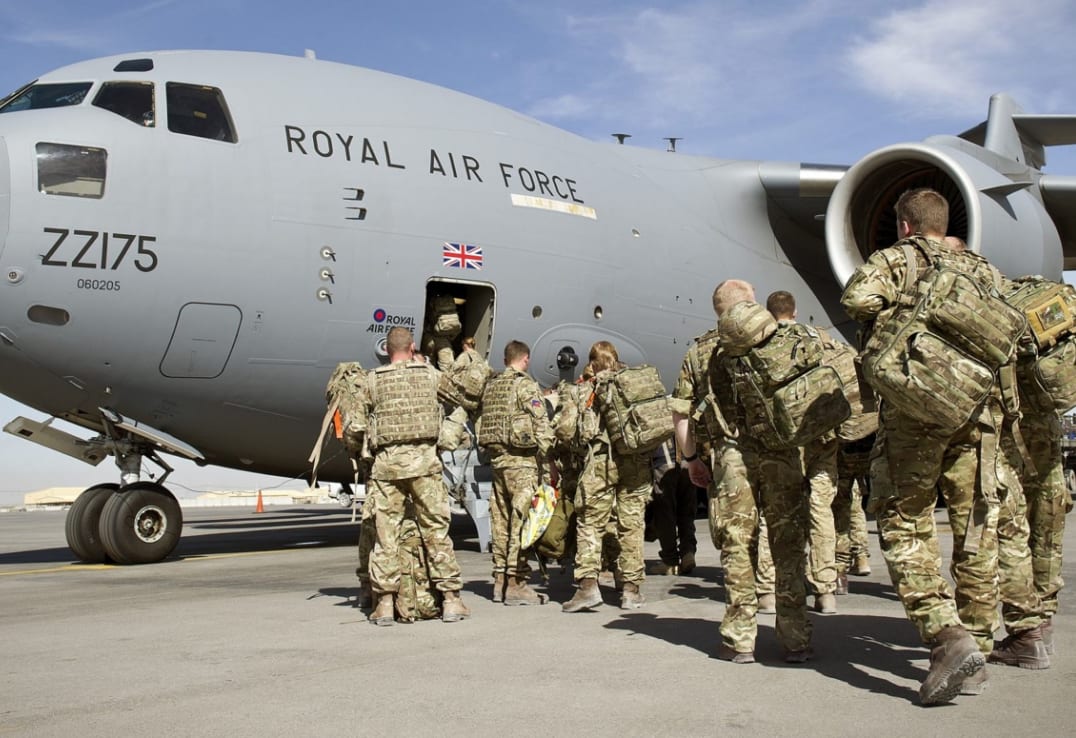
(662, 569)
(1024, 649)
(1047, 629)
(825, 603)
(385, 612)
(587, 597)
(631, 598)
(975, 684)
(519, 593)
(687, 562)
(862, 567)
(453, 608)
(767, 604)
(498, 587)
(954, 657)
(365, 600)
(728, 653)
(842, 584)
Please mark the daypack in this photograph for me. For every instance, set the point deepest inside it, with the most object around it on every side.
(635, 409)
(575, 422)
(789, 395)
(446, 319)
(344, 397)
(1046, 368)
(558, 538)
(417, 598)
(463, 383)
(935, 356)
(864, 418)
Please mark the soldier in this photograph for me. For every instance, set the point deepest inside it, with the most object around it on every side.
(404, 418)
(851, 553)
(609, 478)
(705, 413)
(820, 468)
(919, 459)
(773, 477)
(514, 430)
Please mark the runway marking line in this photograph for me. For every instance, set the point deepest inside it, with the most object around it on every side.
(98, 567)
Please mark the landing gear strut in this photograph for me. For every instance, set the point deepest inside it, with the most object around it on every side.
(135, 522)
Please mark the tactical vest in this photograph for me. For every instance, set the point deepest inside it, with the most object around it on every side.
(1046, 364)
(789, 396)
(405, 406)
(504, 422)
(446, 319)
(933, 355)
(635, 409)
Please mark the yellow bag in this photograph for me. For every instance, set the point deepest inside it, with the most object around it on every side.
(543, 503)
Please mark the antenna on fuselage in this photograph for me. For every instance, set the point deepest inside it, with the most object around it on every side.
(672, 142)
(620, 137)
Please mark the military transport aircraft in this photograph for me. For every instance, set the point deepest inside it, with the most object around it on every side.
(190, 242)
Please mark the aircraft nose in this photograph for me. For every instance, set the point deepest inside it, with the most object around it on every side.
(5, 194)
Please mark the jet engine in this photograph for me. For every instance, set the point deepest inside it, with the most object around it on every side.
(995, 205)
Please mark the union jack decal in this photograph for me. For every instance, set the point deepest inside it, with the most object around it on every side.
(461, 256)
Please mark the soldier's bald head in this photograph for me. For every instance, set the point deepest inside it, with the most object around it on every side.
(730, 292)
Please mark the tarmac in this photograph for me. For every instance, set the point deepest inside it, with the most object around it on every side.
(250, 628)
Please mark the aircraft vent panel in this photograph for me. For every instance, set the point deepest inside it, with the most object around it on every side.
(202, 341)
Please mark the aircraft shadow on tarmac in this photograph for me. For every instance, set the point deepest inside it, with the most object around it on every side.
(847, 648)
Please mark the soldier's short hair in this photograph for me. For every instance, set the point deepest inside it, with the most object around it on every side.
(468, 342)
(398, 340)
(730, 292)
(514, 351)
(925, 210)
(782, 305)
(603, 356)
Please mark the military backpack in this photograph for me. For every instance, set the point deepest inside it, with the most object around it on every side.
(788, 393)
(1046, 365)
(575, 422)
(635, 409)
(344, 397)
(462, 385)
(935, 355)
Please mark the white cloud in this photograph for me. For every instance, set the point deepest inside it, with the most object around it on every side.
(946, 55)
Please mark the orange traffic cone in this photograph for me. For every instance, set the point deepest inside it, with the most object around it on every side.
(259, 508)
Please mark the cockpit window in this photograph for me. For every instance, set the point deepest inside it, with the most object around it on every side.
(56, 95)
(77, 171)
(132, 100)
(197, 110)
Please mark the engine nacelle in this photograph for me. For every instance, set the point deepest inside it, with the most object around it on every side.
(999, 215)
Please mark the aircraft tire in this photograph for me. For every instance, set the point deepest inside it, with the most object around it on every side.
(141, 524)
(82, 525)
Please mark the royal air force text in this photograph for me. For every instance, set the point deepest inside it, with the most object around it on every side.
(348, 147)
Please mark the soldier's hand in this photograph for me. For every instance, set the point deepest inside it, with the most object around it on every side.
(699, 473)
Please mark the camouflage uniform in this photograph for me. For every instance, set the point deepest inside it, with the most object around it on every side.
(610, 479)
(915, 461)
(516, 471)
(1048, 501)
(849, 520)
(765, 573)
(412, 470)
(820, 468)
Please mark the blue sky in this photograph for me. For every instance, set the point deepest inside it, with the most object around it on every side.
(824, 81)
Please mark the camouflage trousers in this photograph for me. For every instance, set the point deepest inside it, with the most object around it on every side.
(849, 523)
(608, 481)
(765, 573)
(911, 464)
(1048, 501)
(513, 489)
(820, 468)
(1021, 606)
(430, 499)
(367, 533)
(746, 479)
